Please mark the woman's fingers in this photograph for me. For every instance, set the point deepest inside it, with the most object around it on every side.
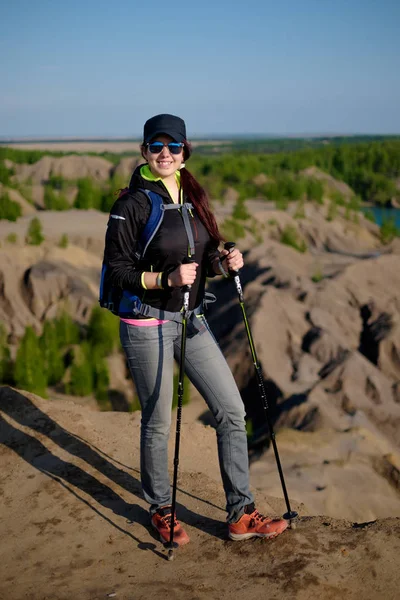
(183, 275)
(234, 259)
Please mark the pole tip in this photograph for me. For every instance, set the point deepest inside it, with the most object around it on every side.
(291, 517)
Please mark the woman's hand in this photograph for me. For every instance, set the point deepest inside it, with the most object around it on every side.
(183, 275)
(232, 260)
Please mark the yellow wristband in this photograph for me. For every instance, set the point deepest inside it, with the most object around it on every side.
(142, 281)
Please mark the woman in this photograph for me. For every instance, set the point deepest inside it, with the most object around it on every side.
(152, 343)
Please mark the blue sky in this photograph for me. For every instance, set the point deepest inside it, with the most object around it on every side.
(94, 68)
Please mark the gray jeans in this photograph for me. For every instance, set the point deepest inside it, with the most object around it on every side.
(150, 352)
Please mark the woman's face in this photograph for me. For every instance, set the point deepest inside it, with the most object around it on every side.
(163, 164)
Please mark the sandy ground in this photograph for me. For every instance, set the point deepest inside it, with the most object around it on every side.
(74, 524)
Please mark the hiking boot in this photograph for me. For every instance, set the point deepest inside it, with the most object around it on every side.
(253, 524)
(161, 520)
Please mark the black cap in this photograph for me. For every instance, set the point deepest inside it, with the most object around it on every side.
(168, 124)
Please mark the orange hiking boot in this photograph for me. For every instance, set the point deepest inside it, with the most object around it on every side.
(161, 520)
(252, 524)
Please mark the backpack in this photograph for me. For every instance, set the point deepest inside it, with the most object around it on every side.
(121, 302)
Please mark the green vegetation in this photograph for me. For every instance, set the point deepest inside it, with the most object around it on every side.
(51, 353)
(34, 235)
(30, 370)
(232, 230)
(368, 164)
(9, 209)
(67, 331)
(63, 243)
(5, 357)
(89, 194)
(388, 230)
(332, 211)
(12, 238)
(318, 275)
(368, 214)
(290, 236)
(81, 372)
(55, 200)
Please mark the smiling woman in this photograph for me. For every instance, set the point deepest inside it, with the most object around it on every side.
(163, 290)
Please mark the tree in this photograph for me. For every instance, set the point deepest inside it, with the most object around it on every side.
(103, 330)
(67, 331)
(101, 376)
(34, 235)
(53, 200)
(63, 243)
(89, 195)
(5, 357)
(50, 347)
(29, 372)
(9, 209)
(81, 374)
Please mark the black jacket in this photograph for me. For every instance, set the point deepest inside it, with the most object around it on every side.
(167, 249)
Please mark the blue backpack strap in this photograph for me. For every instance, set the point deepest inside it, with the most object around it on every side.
(153, 222)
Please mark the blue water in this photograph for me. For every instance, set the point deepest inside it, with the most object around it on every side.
(384, 213)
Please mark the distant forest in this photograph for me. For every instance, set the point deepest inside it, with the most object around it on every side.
(370, 165)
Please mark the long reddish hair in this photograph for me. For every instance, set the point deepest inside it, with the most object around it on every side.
(198, 197)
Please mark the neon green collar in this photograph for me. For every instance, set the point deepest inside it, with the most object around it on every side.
(148, 175)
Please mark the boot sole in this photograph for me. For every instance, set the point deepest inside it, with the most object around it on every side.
(236, 537)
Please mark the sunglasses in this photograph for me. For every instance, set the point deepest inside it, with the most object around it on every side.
(157, 147)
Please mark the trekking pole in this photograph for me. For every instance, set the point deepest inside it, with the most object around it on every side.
(290, 515)
(171, 545)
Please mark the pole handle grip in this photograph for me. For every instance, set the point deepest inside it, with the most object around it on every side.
(230, 246)
(186, 261)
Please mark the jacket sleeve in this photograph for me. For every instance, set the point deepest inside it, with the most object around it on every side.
(127, 219)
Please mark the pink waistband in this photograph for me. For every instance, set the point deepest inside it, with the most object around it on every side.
(144, 322)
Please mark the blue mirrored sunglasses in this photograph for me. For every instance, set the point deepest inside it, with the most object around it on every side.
(173, 147)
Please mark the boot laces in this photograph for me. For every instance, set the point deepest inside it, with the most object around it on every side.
(257, 518)
(168, 519)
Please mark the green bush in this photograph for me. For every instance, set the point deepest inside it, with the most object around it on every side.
(53, 200)
(317, 275)
(232, 230)
(34, 236)
(66, 330)
(51, 352)
(315, 190)
(5, 358)
(101, 381)
(9, 209)
(300, 212)
(12, 238)
(388, 230)
(240, 212)
(103, 331)
(290, 237)
(63, 243)
(368, 214)
(89, 194)
(81, 381)
(29, 371)
(5, 174)
(332, 211)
